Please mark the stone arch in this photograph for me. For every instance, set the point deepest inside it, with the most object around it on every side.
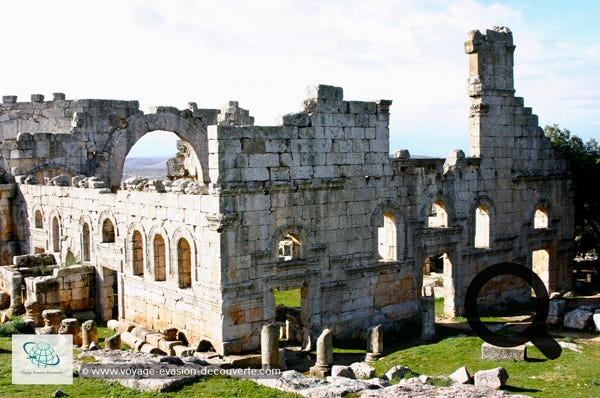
(86, 238)
(158, 257)
(384, 214)
(482, 224)
(104, 231)
(38, 216)
(174, 272)
(540, 214)
(55, 223)
(134, 247)
(189, 129)
(298, 238)
(443, 202)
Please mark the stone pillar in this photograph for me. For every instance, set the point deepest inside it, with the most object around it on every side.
(33, 310)
(324, 355)
(428, 314)
(89, 334)
(71, 326)
(374, 343)
(16, 300)
(269, 346)
(52, 320)
(113, 342)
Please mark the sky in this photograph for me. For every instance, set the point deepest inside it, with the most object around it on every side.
(265, 54)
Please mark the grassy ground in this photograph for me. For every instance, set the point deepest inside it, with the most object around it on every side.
(207, 387)
(573, 375)
(289, 298)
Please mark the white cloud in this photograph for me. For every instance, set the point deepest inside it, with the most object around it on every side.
(265, 53)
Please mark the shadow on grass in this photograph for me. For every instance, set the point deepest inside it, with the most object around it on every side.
(519, 389)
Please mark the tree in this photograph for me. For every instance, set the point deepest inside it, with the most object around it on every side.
(584, 159)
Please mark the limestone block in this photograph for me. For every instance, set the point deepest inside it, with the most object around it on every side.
(556, 310)
(4, 300)
(342, 371)
(461, 376)
(132, 341)
(492, 378)
(494, 353)
(168, 346)
(398, 372)
(71, 326)
(113, 342)
(89, 334)
(596, 320)
(577, 319)
(362, 370)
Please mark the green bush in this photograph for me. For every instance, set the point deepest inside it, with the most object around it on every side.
(14, 327)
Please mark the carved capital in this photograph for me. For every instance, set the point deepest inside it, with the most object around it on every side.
(220, 221)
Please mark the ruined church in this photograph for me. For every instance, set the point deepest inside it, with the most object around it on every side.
(316, 203)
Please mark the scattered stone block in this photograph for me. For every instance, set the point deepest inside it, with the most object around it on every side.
(113, 324)
(374, 343)
(494, 353)
(493, 378)
(4, 300)
(362, 370)
(71, 326)
(398, 372)
(89, 334)
(342, 371)
(461, 376)
(577, 319)
(113, 342)
(556, 312)
(596, 319)
(167, 346)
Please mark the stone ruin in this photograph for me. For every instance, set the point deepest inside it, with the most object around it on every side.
(314, 203)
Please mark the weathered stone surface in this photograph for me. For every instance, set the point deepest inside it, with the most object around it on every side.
(4, 300)
(89, 334)
(577, 319)
(494, 353)
(269, 346)
(71, 326)
(596, 320)
(493, 378)
(556, 312)
(324, 354)
(362, 370)
(342, 371)
(113, 342)
(374, 343)
(461, 376)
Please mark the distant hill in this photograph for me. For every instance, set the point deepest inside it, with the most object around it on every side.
(152, 168)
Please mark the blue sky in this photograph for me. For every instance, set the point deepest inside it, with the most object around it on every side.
(265, 53)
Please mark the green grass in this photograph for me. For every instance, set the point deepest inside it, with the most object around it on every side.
(572, 375)
(491, 315)
(215, 386)
(289, 298)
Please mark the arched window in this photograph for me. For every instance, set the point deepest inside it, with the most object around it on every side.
(540, 219)
(289, 247)
(55, 234)
(438, 217)
(137, 246)
(184, 263)
(108, 231)
(160, 268)
(85, 242)
(386, 238)
(39, 220)
(482, 227)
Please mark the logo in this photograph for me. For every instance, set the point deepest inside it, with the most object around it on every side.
(534, 332)
(42, 359)
(41, 354)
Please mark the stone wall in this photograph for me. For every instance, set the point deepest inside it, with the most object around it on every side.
(315, 203)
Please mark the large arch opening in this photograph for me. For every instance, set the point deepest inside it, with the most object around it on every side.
(190, 131)
(148, 157)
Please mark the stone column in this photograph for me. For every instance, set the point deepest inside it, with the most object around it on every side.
(324, 355)
(89, 334)
(269, 346)
(33, 310)
(71, 326)
(374, 343)
(52, 320)
(427, 314)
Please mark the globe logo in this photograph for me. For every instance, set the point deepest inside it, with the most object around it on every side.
(41, 354)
